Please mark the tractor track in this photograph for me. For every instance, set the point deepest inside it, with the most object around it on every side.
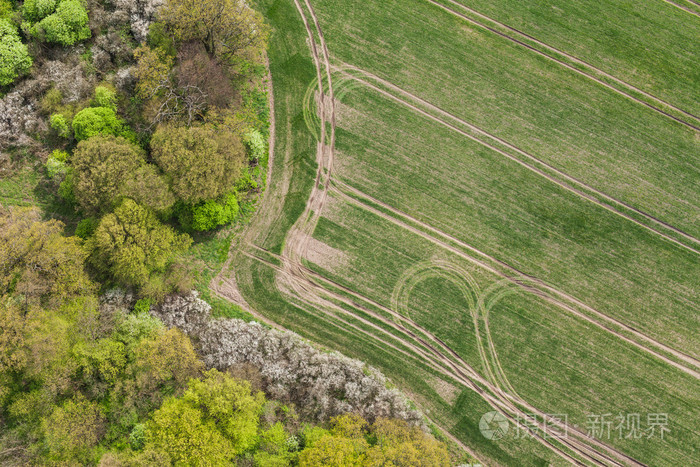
(308, 290)
(565, 185)
(543, 290)
(659, 103)
(301, 282)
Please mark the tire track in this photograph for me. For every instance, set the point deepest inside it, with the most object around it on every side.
(293, 271)
(544, 290)
(461, 371)
(684, 8)
(297, 239)
(574, 59)
(572, 184)
(695, 126)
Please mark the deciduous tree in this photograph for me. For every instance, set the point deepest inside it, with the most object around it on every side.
(132, 244)
(202, 164)
(36, 260)
(93, 121)
(63, 22)
(102, 167)
(227, 28)
(216, 419)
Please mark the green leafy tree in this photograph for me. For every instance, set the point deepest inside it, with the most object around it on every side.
(92, 121)
(36, 10)
(102, 166)
(400, 444)
(132, 244)
(163, 364)
(149, 188)
(183, 432)
(216, 419)
(14, 56)
(62, 22)
(201, 162)
(86, 227)
(73, 430)
(152, 70)
(227, 28)
(352, 442)
(273, 449)
(36, 259)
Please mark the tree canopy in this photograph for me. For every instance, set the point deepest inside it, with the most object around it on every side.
(201, 163)
(93, 121)
(14, 56)
(36, 260)
(131, 244)
(227, 28)
(63, 22)
(352, 442)
(216, 419)
(103, 166)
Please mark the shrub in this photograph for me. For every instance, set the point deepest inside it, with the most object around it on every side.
(55, 166)
(36, 10)
(105, 97)
(212, 214)
(5, 9)
(14, 56)
(60, 125)
(60, 155)
(255, 143)
(96, 120)
(143, 306)
(65, 189)
(51, 100)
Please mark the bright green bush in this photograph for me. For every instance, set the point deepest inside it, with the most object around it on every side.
(255, 143)
(62, 22)
(212, 214)
(5, 9)
(36, 10)
(143, 305)
(96, 120)
(60, 125)
(60, 155)
(14, 56)
(56, 163)
(104, 97)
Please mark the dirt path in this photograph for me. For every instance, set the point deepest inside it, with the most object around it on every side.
(658, 102)
(544, 290)
(567, 186)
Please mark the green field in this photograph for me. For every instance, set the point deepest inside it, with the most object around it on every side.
(498, 208)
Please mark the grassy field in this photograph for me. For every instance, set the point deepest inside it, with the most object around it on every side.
(467, 164)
